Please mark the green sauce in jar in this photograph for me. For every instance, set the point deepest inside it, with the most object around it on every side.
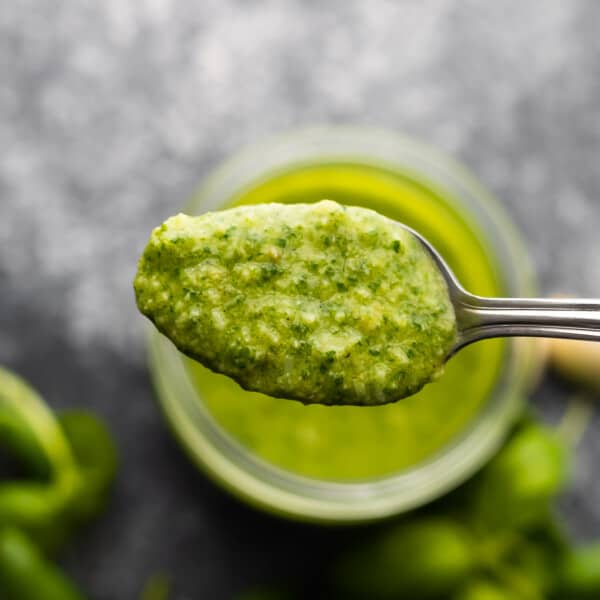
(349, 442)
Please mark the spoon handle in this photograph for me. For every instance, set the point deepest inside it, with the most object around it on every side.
(480, 318)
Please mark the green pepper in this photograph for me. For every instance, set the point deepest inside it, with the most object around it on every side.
(75, 461)
(72, 464)
(31, 428)
(16, 436)
(37, 506)
(422, 558)
(27, 504)
(26, 575)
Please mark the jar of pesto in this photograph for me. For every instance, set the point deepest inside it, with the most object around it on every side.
(347, 463)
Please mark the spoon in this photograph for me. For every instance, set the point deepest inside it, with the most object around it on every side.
(479, 318)
(275, 331)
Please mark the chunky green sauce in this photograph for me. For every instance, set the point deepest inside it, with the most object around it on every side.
(318, 302)
(350, 442)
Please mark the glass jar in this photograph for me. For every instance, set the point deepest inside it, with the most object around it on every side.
(318, 499)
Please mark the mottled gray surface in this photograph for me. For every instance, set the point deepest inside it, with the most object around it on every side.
(111, 112)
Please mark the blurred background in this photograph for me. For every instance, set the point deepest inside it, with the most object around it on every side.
(112, 113)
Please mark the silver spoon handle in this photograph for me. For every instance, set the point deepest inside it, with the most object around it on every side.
(481, 318)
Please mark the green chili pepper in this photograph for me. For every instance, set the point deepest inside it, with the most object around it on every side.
(31, 420)
(26, 575)
(17, 437)
(424, 558)
(72, 464)
(26, 504)
(77, 454)
(37, 506)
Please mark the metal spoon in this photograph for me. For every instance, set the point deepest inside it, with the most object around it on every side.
(479, 318)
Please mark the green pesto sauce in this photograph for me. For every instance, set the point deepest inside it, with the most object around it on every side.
(318, 302)
(352, 442)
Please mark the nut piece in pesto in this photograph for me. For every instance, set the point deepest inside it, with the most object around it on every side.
(320, 303)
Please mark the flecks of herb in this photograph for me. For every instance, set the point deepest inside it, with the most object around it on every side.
(299, 329)
(338, 380)
(268, 271)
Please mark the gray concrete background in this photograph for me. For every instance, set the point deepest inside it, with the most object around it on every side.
(111, 113)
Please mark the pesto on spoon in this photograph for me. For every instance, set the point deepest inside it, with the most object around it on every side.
(315, 302)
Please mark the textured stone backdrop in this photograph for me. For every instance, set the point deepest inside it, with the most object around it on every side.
(111, 113)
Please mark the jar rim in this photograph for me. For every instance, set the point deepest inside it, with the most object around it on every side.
(270, 487)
